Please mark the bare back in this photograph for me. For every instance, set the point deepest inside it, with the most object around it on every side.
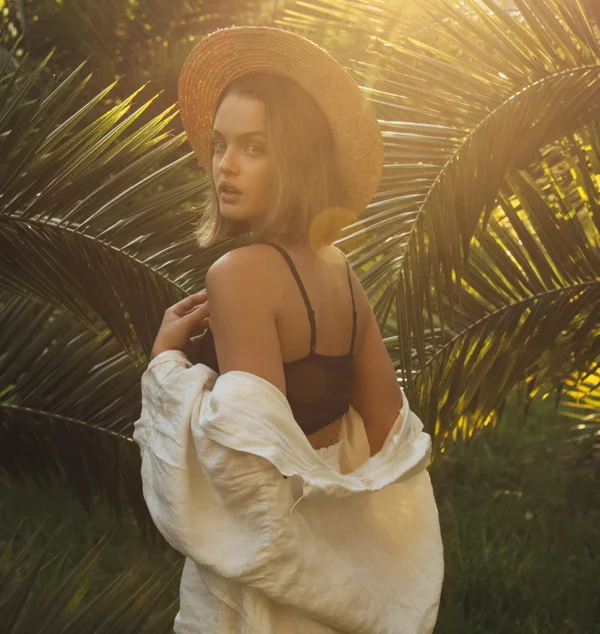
(324, 274)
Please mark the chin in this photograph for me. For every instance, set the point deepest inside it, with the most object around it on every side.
(231, 213)
(234, 213)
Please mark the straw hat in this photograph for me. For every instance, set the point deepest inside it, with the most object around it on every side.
(227, 54)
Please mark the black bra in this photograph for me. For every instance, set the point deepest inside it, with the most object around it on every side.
(318, 386)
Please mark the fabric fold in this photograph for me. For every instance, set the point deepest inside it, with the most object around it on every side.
(357, 550)
(240, 424)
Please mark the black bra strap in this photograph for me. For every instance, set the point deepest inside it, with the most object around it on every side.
(354, 313)
(311, 312)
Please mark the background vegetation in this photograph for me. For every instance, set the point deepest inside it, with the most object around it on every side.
(480, 253)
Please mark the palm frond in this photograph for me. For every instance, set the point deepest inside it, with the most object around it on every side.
(39, 594)
(580, 402)
(528, 307)
(68, 399)
(457, 123)
(73, 186)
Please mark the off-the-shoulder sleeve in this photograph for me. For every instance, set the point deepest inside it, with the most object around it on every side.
(222, 525)
(361, 553)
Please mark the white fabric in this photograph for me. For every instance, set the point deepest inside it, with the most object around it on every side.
(355, 549)
(331, 454)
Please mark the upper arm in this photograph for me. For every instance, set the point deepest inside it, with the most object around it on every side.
(375, 392)
(242, 316)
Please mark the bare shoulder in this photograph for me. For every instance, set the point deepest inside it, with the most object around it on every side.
(250, 267)
(243, 261)
(362, 304)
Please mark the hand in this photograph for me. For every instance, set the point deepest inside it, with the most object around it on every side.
(183, 325)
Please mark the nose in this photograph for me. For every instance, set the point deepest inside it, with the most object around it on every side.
(227, 164)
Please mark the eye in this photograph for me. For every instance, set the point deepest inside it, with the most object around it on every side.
(258, 149)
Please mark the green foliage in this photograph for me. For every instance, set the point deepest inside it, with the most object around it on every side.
(78, 576)
(480, 254)
(520, 528)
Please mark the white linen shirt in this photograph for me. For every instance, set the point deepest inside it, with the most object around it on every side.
(318, 551)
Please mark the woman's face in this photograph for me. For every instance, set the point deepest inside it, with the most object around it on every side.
(241, 157)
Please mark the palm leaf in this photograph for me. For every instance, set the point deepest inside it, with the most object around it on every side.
(528, 308)
(38, 593)
(457, 122)
(431, 194)
(580, 402)
(72, 187)
(67, 401)
(84, 216)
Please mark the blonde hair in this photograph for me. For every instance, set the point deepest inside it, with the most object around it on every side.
(306, 198)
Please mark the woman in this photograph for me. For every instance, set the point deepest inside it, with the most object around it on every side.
(233, 444)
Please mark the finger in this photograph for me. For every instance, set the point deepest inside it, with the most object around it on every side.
(187, 303)
(198, 314)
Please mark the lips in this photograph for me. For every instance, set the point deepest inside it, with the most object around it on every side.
(227, 188)
(229, 198)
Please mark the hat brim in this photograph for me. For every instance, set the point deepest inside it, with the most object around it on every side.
(229, 53)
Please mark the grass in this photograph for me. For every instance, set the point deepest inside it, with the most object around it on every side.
(520, 523)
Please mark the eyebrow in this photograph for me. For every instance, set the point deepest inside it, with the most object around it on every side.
(244, 135)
